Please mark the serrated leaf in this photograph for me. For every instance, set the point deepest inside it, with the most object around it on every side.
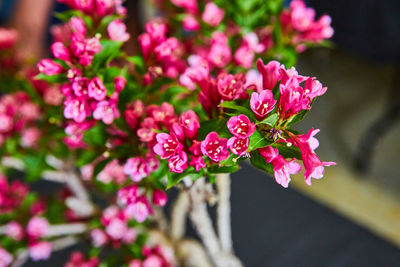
(270, 120)
(258, 140)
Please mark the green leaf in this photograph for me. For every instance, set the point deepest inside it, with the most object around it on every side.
(95, 136)
(223, 169)
(35, 165)
(239, 109)
(58, 78)
(100, 166)
(109, 51)
(86, 157)
(174, 178)
(171, 92)
(270, 120)
(138, 62)
(258, 140)
(259, 162)
(218, 126)
(288, 151)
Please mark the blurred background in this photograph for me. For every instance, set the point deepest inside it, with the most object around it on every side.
(352, 216)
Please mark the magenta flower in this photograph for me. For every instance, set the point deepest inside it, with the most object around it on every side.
(135, 168)
(262, 103)
(15, 231)
(145, 43)
(159, 197)
(231, 87)
(116, 228)
(314, 167)
(60, 51)
(157, 29)
(5, 258)
(106, 111)
(139, 210)
(220, 51)
(253, 81)
(117, 31)
(190, 123)
(190, 23)
(301, 16)
(49, 67)
(292, 99)
(167, 145)
(282, 168)
(313, 88)
(212, 14)
(190, 6)
(99, 238)
(197, 162)
(244, 56)
(166, 49)
(119, 83)
(178, 162)
(76, 109)
(270, 73)
(40, 250)
(37, 227)
(241, 126)
(96, 89)
(128, 195)
(214, 147)
(238, 146)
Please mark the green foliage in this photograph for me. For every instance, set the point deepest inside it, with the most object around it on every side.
(258, 140)
(259, 162)
(109, 51)
(238, 109)
(96, 136)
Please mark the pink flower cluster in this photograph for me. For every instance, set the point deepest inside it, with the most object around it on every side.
(17, 115)
(77, 259)
(5, 258)
(165, 53)
(116, 229)
(299, 22)
(157, 256)
(7, 38)
(96, 8)
(181, 143)
(12, 194)
(242, 128)
(139, 167)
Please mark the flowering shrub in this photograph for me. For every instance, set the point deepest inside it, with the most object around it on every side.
(205, 92)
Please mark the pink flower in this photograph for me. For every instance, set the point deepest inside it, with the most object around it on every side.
(5, 257)
(253, 81)
(40, 250)
(7, 38)
(49, 67)
(314, 167)
(139, 210)
(53, 96)
(37, 227)
(76, 109)
(60, 51)
(30, 137)
(262, 103)
(157, 29)
(301, 17)
(159, 197)
(99, 238)
(241, 126)
(106, 111)
(197, 162)
(292, 99)
(135, 167)
(238, 146)
(270, 73)
(251, 40)
(14, 230)
(313, 88)
(166, 49)
(190, 6)
(112, 172)
(214, 147)
(130, 236)
(6, 123)
(190, 23)
(244, 56)
(77, 26)
(119, 83)
(128, 195)
(231, 87)
(116, 228)
(145, 43)
(178, 162)
(220, 51)
(117, 31)
(96, 89)
(282, 168)
(190, 123)
(167, 145)
(212, 14)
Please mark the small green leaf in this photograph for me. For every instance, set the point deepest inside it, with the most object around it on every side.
(288, 151)
(100, 166)
(218, 126)
(270, 120)
(174, 178)
(223, 169)
(58, 78)
(109, 51)
(257, 140)
(138, 62)
(239, 109)
(259, 162)
(171, 92)
(95, 136)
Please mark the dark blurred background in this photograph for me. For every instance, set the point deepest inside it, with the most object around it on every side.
(352, 216)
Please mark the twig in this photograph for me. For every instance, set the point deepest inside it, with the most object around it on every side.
(179, 213)
(66, 229)
(223, 211)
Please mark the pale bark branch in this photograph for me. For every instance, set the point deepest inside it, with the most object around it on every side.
(179, 213)
(224, 211)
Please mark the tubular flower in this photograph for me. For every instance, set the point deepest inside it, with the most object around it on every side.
(214, 147)
(241, 126)
(262, 103)
(167, 145)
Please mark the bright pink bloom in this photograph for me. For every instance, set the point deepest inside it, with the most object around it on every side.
(157, 29)
(6, 123)
(292, 99)
(313, 88)
(214, 147)
(96, 89)
(212, 14)
(77, 26)
(40, 251)
(251, 40)
(253, 81)
(282, 168)
(5, 258)
(113, 172)
(231, 87)
(145, 43)
(139, 210)
(166, 49)
(190, 123)
(238, 146)
(130, 236)
(178, 162)
(117, 31)
(76, 109)
(119, 83)
(60, 51)
(220, 51)
(14, 230)
(190, 6)
(241, 126)
(262, 103)
(244, 56)
(30, 137)
(37, 227)
(128, 195)
(49, 67)
(190, 23)
(159, 197)
(106, 111)
(314, 167)
(116, 228)
(301, 16)
(167, 145)
(135, 168)
(99, 238)
(7, 38)
(270, 73)
(197, 162)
